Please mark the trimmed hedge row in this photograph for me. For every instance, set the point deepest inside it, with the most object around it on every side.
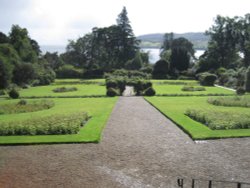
(217, 120)
(23, 106)
(51, 125)
(116, 86)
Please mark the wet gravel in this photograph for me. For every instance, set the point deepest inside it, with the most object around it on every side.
(140, 148)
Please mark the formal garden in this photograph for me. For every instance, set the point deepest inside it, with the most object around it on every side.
(76, 110)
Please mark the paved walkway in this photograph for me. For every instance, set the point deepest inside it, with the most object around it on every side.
(140, 148)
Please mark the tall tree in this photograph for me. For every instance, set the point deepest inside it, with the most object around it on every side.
(167, 41)
(128, 42)
(22, 43)
(181, 53)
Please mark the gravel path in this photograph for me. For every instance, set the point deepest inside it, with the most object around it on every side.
(140, 148)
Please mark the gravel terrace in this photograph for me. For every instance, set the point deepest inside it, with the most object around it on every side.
(140, 148)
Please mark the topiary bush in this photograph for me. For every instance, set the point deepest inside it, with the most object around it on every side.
(111, 92)
(149, 92)
(13, 93)
(207, 79)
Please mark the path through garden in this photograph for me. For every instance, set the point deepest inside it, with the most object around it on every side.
(140, 148)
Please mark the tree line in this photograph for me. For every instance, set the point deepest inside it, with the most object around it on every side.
(116, 47)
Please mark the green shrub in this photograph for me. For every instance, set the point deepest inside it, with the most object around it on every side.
(51, 125)
(247, 80)
(22, 102)
(207, 79)
(219, 120)
(69, 71)
(23, 106)
(192, 88)
(111, 92)
(240, 91)
(13, 93)
(2, 92)
(149, 92)
(64, 89)
(230, 101)
(111, 83)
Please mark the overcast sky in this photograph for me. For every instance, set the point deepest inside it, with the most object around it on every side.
(53, 22)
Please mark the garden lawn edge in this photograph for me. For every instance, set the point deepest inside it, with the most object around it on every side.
(90, 133)
(203, 132)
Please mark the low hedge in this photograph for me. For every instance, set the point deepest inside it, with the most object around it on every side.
(51, 125)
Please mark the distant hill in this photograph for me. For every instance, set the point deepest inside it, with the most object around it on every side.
(155, 40)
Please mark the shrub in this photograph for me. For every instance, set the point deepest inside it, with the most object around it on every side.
(160, 69)
(111, 92)
(2, 92)
(149, 92)
(51, 125)
(240, 91)
(192, 88)
(247, 81)
(69, 71)
(207, 79)
(14, 94)
(22, 102)
(111, 83)
(64, 89)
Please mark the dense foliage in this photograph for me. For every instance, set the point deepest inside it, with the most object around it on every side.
(21, 61)
(105, 49)
(228, 52)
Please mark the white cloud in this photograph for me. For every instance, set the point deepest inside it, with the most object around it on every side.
(56, 21)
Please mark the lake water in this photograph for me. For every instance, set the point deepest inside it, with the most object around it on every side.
(154, 54)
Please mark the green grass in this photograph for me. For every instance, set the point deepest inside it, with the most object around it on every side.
(47, 91)
(98, 108)
(175, 107)
(164, 89)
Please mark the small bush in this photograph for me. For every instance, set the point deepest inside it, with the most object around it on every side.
(192, 88)
(240, 91)
(111, 92)
(149, 92)
(14, 94)
(64, 89)
(207, 79)
(22, 102)
(2, 92)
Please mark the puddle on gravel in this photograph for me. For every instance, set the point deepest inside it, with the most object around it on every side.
(201, 142)
(122, 178)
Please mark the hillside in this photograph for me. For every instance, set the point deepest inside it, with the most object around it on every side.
(155, 40)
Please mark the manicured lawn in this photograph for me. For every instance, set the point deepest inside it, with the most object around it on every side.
(175, 107)
(98, 108)
(165, 89)
(82, 90)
